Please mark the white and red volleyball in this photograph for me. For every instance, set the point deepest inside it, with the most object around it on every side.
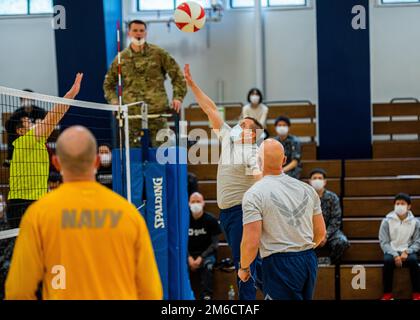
(190, 16)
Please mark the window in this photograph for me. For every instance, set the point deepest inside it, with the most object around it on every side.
(14, 7)
(154, 5)
(385, 2)
(268, 3)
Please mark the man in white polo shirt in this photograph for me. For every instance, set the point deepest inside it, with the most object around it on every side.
(237, 171)
(283, 219)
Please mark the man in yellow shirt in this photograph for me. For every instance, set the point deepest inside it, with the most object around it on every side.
(83, 241)
(29, 167)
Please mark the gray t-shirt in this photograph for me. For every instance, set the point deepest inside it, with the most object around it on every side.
(286, 207)
(235, 169)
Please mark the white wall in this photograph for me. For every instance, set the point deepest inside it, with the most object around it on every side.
(290, 44)
(395, 52)
(27, 54)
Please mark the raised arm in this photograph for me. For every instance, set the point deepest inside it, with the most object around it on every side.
(205, 103)
(46, 126)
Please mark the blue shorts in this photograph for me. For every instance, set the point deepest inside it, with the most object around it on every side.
(290, 276)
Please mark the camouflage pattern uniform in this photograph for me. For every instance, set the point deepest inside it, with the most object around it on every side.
(337, 242)
(143, 77)
(292, 150)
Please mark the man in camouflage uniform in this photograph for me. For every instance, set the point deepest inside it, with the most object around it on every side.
(291, 145)
(336, 241)
(144, 67)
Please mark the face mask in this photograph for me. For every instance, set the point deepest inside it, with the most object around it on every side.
(138, 42)
(255, 99)
(400, 209)
(106, 158)
(282, 130)
(318, 184)
(236, 133)
(196, 208)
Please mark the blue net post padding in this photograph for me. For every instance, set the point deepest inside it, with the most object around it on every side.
(168, 225)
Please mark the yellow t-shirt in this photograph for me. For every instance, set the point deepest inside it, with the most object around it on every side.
(83, 242)
(29, 168)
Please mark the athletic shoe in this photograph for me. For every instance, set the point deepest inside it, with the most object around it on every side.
(387, 296)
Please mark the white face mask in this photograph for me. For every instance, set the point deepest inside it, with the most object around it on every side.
(106, 158)
(282, 130)
(236, 133)
(400, 209)
(318, 184)
(255, 99)
(196, 208)
(138, 42)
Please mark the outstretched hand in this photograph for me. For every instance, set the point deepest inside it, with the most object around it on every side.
(74, 91)
(188, 77)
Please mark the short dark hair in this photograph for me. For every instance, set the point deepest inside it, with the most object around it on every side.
(402, 196)
(318, 170)
(15, 122)
(28, 90)
(105, 145)
(258, 92)
(257, 124)
(282, 118)
(137, 22)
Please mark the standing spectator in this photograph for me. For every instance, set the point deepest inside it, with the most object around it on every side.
(336, 241)
(202, 244)
(399, 236)
(104, 175)
(283, 219)
(255, 108)
(144, 69)
(292, 147)
(28, 110)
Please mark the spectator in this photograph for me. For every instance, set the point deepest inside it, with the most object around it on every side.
(335, 241)
(399, 237)
(255, 109)
(202, 245)
(29, 110)
(104, 175)
(292, 147)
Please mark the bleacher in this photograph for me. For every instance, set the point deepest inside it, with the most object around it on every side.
(366, 188)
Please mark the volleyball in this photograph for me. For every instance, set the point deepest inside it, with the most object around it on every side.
(190, 17)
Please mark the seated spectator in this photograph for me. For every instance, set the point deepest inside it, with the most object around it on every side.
(255, 108)
(202, 244)
(399, 237)
(104, 175)
(336, 242)
(292, 147)
(28, 110)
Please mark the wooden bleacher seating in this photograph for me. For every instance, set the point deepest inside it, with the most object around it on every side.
(374, 284)
(382, 167)
(372, 206)
(380, 186)
(392, 127)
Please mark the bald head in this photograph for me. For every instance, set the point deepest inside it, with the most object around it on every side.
(76, 152)
(272, 157)
(196, 197)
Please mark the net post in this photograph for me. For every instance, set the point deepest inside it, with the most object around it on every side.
(127, 153)
(146, 134)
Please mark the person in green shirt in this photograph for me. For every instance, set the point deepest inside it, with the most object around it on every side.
(29, 167)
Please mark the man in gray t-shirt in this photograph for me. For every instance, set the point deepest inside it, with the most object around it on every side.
(237, 172)
(283, 218)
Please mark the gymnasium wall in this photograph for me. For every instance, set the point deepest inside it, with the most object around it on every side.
(28, 58)
(27, 54)
(395, 52)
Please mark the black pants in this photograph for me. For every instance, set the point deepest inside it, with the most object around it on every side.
(206, 276)
(388, 272)
(15, 210)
